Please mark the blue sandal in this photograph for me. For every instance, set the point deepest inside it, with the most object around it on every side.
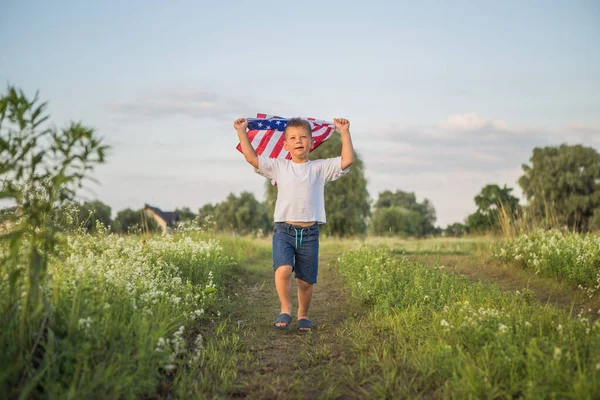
(285, 318)
(304, 325)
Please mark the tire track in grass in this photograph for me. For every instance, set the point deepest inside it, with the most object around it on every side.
(512, 278)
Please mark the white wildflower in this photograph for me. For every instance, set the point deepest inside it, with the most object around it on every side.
(85, 323)
(557, 353)
(160, 346)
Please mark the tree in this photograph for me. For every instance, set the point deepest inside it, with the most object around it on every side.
(347, 203)
(206, 216)
(491, 202)
(92, 211)
(131, 221)
(395, 220)
(243, 214)
(456, 229)
(400, 213)
(185, 214)
(563, 183)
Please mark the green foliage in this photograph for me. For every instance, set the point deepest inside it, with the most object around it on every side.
(206, 217)
(40, 170)
(594, 222)
(451, 338)
(124, 312)
(347, 203)
(456, 229)
(563, 182)
(571, 256)
(92, 211)
(185, 214)
(399, 213)
(131, 221)
(206, 211)
(491, 203)
(396, 220)
(243, 215)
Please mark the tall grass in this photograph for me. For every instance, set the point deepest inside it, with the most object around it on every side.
(513, 224)
(125, 314)
(572, 256)
(431, 333)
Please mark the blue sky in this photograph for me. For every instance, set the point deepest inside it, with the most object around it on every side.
(443, 97)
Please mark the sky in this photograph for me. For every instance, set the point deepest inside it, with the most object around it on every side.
(442, 97)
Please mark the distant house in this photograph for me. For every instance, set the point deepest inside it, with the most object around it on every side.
(166, 219)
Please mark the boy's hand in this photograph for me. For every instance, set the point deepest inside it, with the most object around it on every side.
(342, 125)
(241, 124)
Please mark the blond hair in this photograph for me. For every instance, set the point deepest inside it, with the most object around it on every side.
(296, 123)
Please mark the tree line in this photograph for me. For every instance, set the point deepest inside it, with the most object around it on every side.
(560, 184)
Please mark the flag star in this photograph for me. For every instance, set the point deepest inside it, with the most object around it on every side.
(260, 124)
(278, 122)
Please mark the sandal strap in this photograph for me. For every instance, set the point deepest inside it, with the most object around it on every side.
(305, 323)
(283, 317)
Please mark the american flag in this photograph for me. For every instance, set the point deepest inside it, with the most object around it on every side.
(266, 134)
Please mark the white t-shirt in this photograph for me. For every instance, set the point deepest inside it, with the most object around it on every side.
(300, 186)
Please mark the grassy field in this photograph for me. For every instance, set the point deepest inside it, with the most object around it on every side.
(570, 256)
(449, 337)
(190, 315)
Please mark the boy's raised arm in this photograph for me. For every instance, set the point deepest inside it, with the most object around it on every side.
(343, 127)
(241, 126)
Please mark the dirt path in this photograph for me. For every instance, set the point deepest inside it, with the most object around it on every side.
(288, 364)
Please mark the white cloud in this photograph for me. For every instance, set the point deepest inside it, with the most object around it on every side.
(463, 122)
(172, 102)
(582, 133)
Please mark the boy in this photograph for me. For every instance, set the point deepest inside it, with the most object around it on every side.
(299, 209)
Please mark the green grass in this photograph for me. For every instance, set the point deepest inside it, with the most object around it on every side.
(128, 316)
(571, 256)
(189, 316)
(436, 334)
(432, 246)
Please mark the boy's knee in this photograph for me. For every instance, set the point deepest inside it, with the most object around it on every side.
(284, 270)
(303, 284)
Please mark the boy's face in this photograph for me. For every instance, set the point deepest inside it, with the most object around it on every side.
(298, 141)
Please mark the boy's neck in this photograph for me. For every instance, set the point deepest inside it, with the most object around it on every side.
(298, 160)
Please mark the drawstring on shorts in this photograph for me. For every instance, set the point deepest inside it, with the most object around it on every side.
(301, 230)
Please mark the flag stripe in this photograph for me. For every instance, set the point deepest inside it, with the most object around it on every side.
(273, 143)
(264, 141)
(251, 134)
(278, 147)
(323, 136)
(256, 140)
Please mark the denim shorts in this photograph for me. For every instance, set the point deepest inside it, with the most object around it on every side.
(299, 247)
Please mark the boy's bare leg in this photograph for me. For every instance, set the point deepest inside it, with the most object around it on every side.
(283, 284)
(305, 291)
